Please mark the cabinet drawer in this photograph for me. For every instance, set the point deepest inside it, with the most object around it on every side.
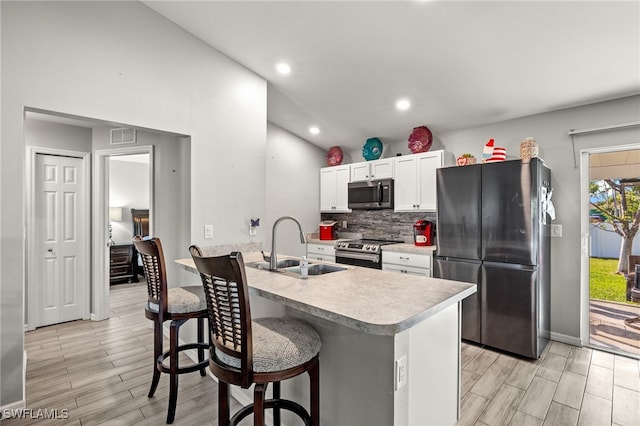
(321, 257)
(406, 269)
(119, 270)
(121, 250)
(407, 259)
(322, 249)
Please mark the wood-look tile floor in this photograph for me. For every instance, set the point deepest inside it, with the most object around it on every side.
(100, 372)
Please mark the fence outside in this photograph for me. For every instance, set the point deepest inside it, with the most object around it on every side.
(606, 243)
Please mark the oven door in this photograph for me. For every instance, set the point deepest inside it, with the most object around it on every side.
(367, 260)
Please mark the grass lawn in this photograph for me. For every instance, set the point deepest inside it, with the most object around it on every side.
(604, 283)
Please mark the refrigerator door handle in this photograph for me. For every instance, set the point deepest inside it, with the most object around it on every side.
(530, 268)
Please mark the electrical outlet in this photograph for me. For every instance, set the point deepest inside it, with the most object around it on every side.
(344, 224)
(401, 372)
(556, 230)
(208, 231)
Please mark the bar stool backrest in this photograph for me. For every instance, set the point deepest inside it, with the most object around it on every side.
(155, 271)
(225, 288)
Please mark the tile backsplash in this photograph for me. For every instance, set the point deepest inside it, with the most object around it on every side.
(379, 224)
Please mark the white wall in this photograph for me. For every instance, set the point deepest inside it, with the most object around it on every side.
(550, 130)
(95, 59)
(293, 173)
(53, 135)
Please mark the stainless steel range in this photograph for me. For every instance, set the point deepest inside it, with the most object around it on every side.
(365, 252)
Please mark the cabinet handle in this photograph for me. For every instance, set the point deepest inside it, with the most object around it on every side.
(404, 258)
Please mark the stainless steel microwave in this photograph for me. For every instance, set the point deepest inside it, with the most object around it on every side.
(372, 194)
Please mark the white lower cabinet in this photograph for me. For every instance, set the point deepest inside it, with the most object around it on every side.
(407, 263)
(322, 252)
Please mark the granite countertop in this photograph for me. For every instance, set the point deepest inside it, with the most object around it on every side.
(370, 300)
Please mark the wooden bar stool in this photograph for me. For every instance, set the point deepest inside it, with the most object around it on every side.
(177, 305)
(258, 352)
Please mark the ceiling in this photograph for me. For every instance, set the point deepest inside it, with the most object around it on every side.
(461, 64)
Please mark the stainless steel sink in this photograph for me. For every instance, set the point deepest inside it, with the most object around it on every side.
(283, 263)
(291, 267)
(318, 269)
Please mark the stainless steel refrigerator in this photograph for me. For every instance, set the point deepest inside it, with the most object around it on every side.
(493, 230)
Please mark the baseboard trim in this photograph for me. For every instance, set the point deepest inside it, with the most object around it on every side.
(569, 340)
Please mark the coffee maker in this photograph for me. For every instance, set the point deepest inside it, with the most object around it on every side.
(423, 231)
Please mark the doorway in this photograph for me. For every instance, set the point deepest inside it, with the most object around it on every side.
(129, 196)
(123, 180)
(612, 193)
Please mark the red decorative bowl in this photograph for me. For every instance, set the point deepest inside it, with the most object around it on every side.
(334, 156)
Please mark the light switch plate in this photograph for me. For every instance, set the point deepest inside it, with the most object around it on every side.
(208, 231)
(556, 230)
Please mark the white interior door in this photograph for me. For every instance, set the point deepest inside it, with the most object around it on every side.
(61, 247)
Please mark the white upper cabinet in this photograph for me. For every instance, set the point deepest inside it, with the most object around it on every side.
(370, 170)
(415, 181)
(334, 183)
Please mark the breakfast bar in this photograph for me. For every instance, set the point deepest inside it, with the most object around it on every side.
(390, 342)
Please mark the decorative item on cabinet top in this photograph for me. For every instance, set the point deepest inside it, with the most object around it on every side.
(466, 159)
(372, 149)
(420, 139)
(334, 156)
(528, 148)
(492, 153)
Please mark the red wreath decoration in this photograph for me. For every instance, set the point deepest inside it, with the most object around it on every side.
(420, 139)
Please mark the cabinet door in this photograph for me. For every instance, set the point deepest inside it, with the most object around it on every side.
(327, 189)
(334, 189)
(359, 172)
(343, 177)
(427, 165)
(381, 169)
(405, 188)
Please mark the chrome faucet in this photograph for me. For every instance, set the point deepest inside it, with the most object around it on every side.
(273, 262)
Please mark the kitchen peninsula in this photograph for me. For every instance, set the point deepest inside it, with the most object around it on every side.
(390, 342)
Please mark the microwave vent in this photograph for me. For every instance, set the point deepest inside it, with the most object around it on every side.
(123, 136)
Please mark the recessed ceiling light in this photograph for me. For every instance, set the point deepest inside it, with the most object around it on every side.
(403, 104)
(283, 68)
(314, 130)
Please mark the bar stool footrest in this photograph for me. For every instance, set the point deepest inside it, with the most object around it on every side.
(284, 404)
(189, 368)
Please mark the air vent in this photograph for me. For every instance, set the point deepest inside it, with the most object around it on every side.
(123, 136)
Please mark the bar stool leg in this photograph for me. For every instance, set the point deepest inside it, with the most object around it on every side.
(314, 378)
(276, 409)
(223, 403)
(258, 404)
(203, 371)
(173, 369)
(157, 352)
